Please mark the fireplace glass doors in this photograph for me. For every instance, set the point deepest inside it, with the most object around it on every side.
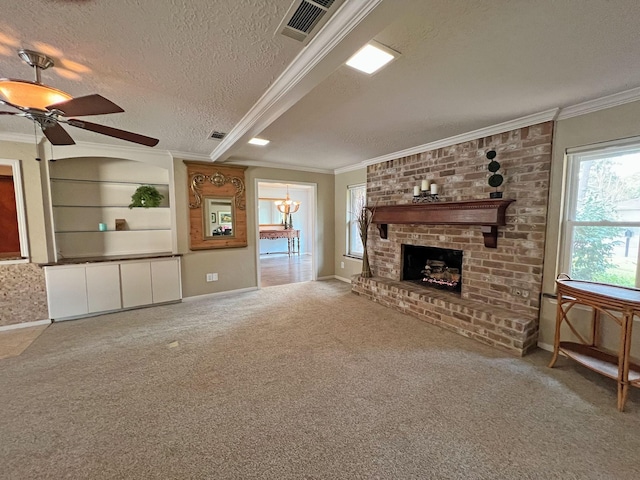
(432, 267)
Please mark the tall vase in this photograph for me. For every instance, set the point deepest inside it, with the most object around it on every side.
(366, 268)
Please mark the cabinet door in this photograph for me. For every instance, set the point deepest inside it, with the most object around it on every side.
(103, 287)
(66, 291)
(165, 280)
(135, 279)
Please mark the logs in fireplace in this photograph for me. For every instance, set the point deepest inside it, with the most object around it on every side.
(432, 267)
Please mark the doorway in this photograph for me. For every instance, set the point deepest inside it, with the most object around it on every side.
(285, 243)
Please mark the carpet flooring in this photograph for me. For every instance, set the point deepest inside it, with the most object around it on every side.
(14, 342)
(304, 381)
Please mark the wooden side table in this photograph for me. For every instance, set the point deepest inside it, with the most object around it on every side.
(290, 234)
(605, 301)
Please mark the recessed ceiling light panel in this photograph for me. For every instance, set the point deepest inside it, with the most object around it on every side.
(258, 141)
(372, 57)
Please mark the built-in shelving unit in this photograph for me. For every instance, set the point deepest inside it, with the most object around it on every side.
(86, 192)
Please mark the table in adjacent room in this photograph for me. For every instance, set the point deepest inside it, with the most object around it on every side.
(290, 234)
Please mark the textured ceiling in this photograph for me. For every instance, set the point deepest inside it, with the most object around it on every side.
(183, 68)
(464, 65)
(180, 69)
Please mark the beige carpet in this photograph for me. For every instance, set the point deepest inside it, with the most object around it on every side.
(306, 381)
(14, 342)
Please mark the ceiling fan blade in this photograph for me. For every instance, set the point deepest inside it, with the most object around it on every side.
(88, 105)
(58, 135)
(114, 132)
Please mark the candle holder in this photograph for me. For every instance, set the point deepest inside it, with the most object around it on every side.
(426, 197)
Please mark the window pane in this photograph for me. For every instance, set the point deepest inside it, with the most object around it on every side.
(605, 254)
(609, 189)
(357, 200)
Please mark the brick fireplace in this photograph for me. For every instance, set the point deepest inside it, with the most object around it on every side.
(499, 298)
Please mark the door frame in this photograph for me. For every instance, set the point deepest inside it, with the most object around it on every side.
(314, 222)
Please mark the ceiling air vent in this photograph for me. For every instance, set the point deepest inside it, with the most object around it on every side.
(216, 135)
(305, 17)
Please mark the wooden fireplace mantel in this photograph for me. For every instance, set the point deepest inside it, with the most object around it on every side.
(489, 214)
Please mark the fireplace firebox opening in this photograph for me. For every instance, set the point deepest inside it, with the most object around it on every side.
(432, 267)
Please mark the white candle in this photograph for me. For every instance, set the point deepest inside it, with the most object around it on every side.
(434, 189)
(416, 191)
(425, 185)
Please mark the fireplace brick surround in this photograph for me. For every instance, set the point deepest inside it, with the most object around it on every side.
(501, 288)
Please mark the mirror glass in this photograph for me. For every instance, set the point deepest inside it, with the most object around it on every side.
(268, 213)
(218, 218)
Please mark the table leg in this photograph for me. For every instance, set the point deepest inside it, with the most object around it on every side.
(623, 375)
(556, 340)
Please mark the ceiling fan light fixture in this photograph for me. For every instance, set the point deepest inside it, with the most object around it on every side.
(46, 106)
(30, 94)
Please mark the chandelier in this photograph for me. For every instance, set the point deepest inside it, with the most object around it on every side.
(287, 206)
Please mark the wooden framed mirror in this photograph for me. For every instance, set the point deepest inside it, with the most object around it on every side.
(217, 206)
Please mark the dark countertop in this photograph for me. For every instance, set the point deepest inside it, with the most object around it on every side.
(109, 258)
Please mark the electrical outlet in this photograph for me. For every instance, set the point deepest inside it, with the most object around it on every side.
(341, 264)
(212, 277)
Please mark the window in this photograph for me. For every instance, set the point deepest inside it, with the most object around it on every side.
(356, 200)
(602, 216)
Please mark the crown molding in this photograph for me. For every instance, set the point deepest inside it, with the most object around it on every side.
(197, 157)
(283, 166)
(521, 122)
(349, 168)
(90, 149)
(270, 104)
(590, 106)
(602, 103)
(17, 137)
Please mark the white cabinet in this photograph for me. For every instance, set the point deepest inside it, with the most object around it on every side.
(103, 287)
(66, 291)
(79, 290)
(165, 280)
(136, 284)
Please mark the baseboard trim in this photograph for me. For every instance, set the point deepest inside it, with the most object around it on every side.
(342, 279)
(545, 346)
(220, 294)
(25, 325)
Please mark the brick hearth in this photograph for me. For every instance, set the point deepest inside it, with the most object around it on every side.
(501, 287)
(488, 324)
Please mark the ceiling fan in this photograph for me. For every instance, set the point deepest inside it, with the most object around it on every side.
(47, 106)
